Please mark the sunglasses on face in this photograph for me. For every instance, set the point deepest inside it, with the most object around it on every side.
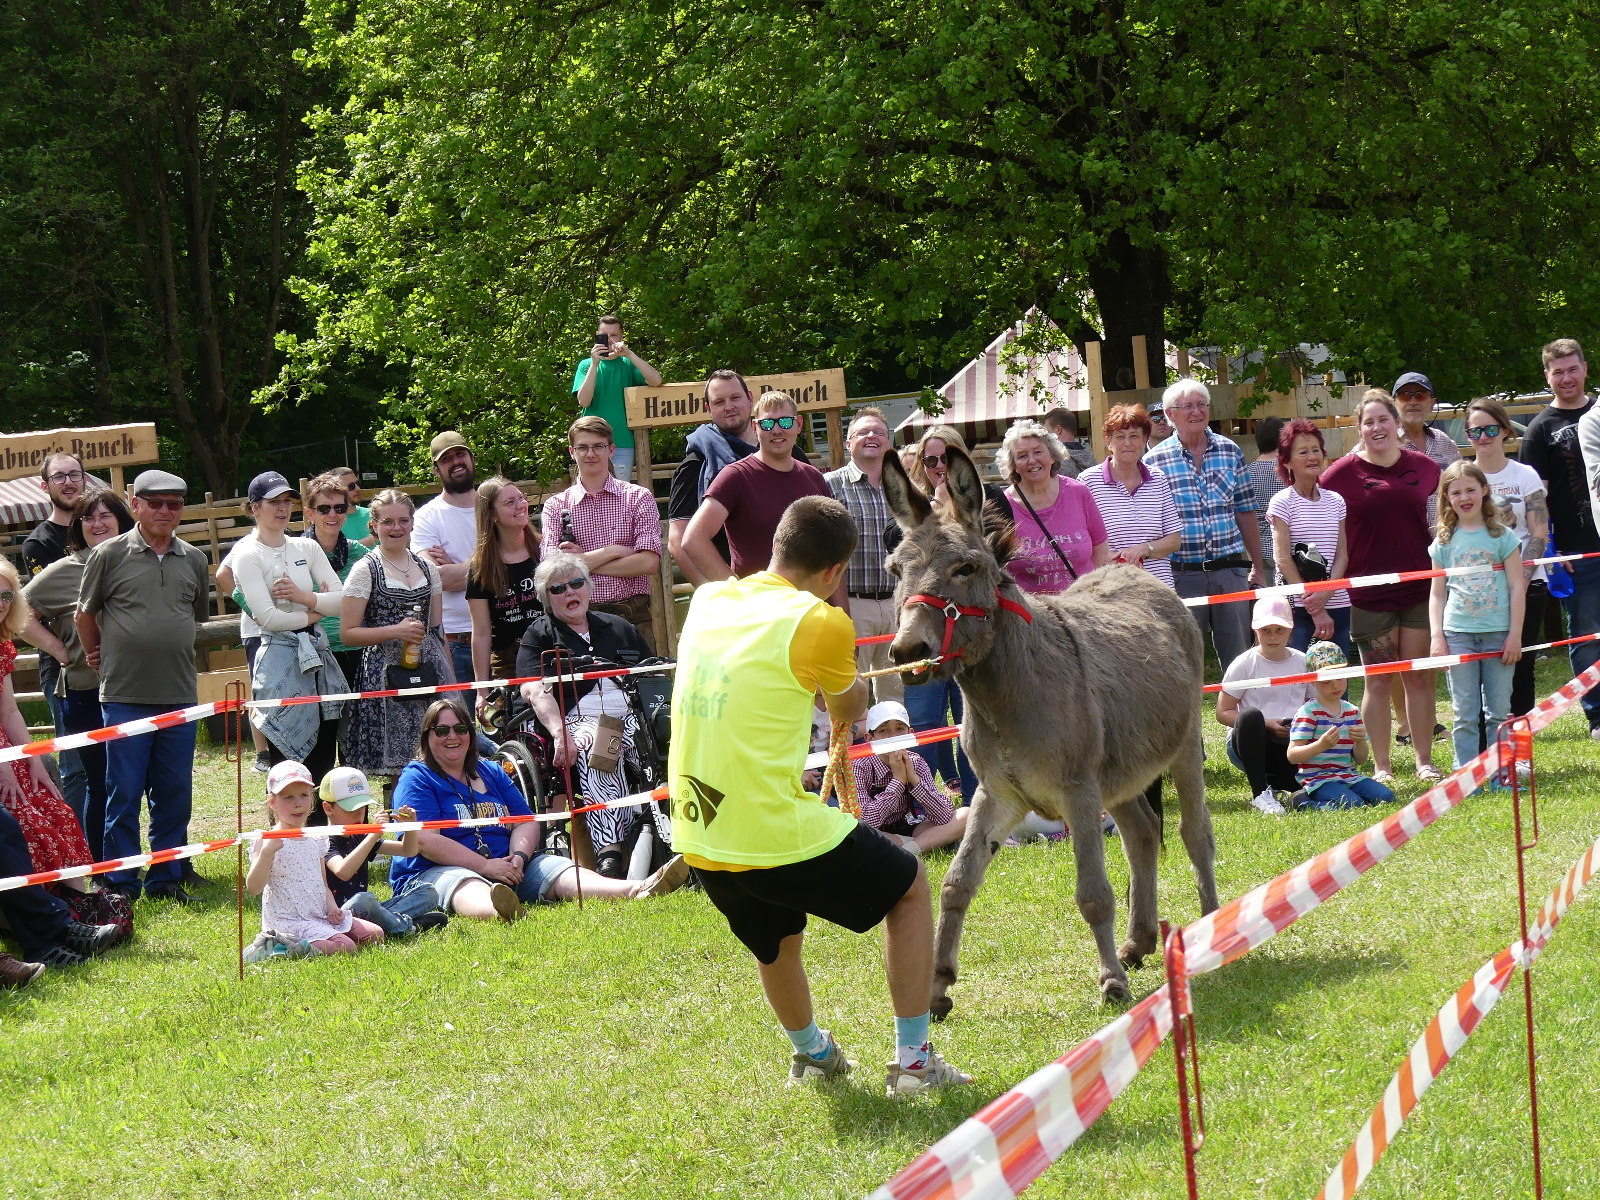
(1476, 433)
(936, 460)
(768, 424)
(7, 596)
(159, 505)
(557, 589)
(444, 731)
(325, 509)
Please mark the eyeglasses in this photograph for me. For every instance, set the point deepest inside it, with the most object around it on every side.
(65, 477)
(7, 596)
(594, 448)
(445, 731)
(167, 505)
(936, 460)
(1192, 406)
(557, 589)
(768, 424)
(1476, 433)
(325, 509)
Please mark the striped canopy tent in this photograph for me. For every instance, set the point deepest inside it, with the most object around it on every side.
(995, 389)
(24, 502)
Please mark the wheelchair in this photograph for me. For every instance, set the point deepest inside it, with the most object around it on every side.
(526, 753)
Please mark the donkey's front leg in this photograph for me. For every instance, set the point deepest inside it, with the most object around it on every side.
(991, 819)
(1096, 901)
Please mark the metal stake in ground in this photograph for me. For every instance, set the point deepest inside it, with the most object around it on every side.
(558, 664)
(1185, 1051)
(234, 722)
(1516, 745)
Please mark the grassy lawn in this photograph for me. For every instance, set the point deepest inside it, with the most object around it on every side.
(625, 1050)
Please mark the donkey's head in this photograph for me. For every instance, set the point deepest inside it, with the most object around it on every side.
(945, 567)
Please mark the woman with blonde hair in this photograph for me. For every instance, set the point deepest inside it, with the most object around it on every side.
(500, 591)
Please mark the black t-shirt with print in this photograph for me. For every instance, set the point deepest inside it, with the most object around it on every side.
(513, 610)
(1551, 448)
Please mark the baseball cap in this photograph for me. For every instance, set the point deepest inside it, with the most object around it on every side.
(1411, 377)
(1272, 610)
(268, 485)
(287, 772)
(884, 711)
(445, 442)
(151, 483)
(1156, 412)
(346, 787)
(1324, 656)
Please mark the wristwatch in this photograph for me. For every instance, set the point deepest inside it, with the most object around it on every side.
(523, 855)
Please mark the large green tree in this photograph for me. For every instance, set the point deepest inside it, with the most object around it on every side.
(870, 184)
(150, 218)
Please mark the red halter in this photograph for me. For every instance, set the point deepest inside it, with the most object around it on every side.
(953, 611)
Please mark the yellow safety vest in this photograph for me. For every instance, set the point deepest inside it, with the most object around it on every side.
(741, 726)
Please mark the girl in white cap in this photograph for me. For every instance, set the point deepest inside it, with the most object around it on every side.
(1258, 718)
(896, 790)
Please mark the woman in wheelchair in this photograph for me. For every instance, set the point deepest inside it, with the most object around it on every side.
(594, 713)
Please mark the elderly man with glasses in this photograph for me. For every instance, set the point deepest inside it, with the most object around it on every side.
(143, 594)
(1220, 551)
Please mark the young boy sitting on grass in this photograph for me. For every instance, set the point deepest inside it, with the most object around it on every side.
(896, 790)
(1327, 739)
(345, 795)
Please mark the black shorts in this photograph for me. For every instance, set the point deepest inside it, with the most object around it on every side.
(854, 885)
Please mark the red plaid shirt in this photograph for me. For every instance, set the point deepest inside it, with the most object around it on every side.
(619, 514)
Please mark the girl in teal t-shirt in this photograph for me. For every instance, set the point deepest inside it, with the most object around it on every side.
(1477, 613)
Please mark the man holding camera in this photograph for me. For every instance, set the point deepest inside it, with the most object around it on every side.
(601, 379)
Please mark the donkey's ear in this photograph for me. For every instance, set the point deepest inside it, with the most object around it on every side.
(965, 488)
(909, 506)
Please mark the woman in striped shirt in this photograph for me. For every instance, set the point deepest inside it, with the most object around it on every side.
(1142, 522)
(1304, 512)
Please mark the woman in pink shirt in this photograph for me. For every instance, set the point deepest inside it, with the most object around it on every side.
(1060, 533)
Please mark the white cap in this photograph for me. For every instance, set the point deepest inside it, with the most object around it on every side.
(287, 772)
(886, 710)
(346, 787)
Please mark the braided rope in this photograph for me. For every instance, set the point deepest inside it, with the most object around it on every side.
(840, 777)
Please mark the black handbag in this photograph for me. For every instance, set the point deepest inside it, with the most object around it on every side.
(1309, 562)
(422, 675)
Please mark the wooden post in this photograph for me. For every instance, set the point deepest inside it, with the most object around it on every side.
(1183, 362)
(661, 602)
(641, 460)
(835, 439)
(1141, 362)
(1097, 398)
(117, 483)
(1222, 368)
(216, 552)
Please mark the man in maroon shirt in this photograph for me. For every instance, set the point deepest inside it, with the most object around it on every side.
(748, 498)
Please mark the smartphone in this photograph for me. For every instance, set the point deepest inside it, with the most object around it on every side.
(603, 339)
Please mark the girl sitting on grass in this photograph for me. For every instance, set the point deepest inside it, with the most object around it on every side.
(296, 905)
(1327, 739)
(1477, 613)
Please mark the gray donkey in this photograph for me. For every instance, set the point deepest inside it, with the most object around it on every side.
(1074, 703)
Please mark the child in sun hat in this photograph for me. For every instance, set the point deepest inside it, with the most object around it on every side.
(1258, 718)
(1327, 739)
(896, 790)
(345, 795)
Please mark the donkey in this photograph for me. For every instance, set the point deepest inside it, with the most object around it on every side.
(1074, 703)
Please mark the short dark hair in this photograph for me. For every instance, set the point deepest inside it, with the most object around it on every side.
(84, 505)
(728, 373)
(44, 467)
(1562, 348)
(1267, 431)
(816, 532)
(1064, 419)
(610, 319)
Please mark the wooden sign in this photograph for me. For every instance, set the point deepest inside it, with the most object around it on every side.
(685, 403)
(100, 448)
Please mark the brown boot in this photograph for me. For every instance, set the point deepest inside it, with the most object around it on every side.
(15, 974)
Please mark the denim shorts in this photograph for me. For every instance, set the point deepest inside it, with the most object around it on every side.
(542, 871)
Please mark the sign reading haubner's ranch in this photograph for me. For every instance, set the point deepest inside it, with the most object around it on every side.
(685, 403)
(99, 448)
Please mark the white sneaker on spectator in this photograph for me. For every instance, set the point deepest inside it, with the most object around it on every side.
(1268, 803)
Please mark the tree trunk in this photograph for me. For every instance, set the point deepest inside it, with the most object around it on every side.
(1132, 288)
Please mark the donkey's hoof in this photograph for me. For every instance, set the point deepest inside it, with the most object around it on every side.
(1132, 955)
(1115, 991)
(939, 1008)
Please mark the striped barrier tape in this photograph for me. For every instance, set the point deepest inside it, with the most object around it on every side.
(1379, 580)
(1398, 667)
(1014, 1118)
(1448, 1032)
(195, 849)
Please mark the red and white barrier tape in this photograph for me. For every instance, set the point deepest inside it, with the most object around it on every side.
(1016, 1118)
(1390, 668)
(1447, 1033)
(1359, 581)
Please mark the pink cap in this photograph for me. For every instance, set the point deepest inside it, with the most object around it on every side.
(287, 772)
(1272, 610)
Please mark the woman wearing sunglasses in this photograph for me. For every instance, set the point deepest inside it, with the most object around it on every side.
(327, 510)
(578, 715)
(1520, 493)
(488, 871)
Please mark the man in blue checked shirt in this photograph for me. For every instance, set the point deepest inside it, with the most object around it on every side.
(1221, 547)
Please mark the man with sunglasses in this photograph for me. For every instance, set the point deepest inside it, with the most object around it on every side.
(748, 498)
(143, 594)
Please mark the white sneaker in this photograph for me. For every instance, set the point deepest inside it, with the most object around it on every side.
(1524, 770)
(933, 1073)
(1268, 803)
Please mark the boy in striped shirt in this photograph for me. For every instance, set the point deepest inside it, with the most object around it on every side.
(1327, 739)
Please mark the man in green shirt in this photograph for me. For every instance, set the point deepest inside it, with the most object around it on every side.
(599, 383)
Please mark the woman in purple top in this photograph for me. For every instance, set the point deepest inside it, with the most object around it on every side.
(1060, 534)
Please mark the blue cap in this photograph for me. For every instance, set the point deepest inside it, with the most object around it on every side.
(268, 485)
(1413, 377)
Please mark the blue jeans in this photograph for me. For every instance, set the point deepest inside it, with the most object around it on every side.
(160, 765)
(1348, 793)
(396, 917)
(73, 773)
(80, 712)
(1303, 635)
(622, 459)
(926, 704)
(1583, 616)
(461, 664)
(1479, 691)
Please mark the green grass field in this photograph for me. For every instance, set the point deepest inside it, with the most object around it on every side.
(625, 1051)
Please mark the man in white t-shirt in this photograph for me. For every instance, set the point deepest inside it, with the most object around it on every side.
(1259, 717)
(446, 530)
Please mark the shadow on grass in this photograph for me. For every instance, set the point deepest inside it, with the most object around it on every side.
(1244, 997)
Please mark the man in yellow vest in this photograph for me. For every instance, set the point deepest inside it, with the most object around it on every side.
(753, 654)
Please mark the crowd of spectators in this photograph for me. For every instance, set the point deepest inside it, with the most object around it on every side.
(470, 587)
